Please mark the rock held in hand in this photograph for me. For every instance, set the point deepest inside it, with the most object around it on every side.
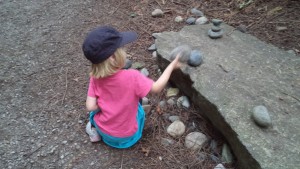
(184, 51)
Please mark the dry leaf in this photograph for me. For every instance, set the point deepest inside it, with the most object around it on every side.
(145, 151)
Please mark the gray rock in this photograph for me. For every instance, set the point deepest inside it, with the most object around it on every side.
(213, 146)
(191, 21)
(185, 52)
(167, 142)
(196, 58)
(154, 54)
(152, 47)
(214, 158)
(183, 101)
(162, 103)
(226, 154)
(196, 12)
(195, 140)
(242, 28)
(176, 129)
(155, 35)
(202, 20)
(174, 118)
(171, 102)
(261, 116)
(157, 13)
(216, 22)
(145, 101)
(178, 19)
(128, 64)
(145, 72)
(215, 35)
(219, 166)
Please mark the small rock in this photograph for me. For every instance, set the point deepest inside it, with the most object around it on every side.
(128, 64)
(281, 28)
(242, 28)
(147, 108)
(213, 146)
(156, 35)
(145, 72)
(196, 58)
(152, 47)
(216, 22)
(261, 116)
(174, 118)
(154, 54)
(65, 142)
(195, 140)
(160, 158)
(214, 158)
(196, 12)
(80, 121)
(157, 12)
(172, 92)
(226, 154)
(185, 52)
(138, 65)
(215, 35)
(202, 20)
(176, 129)
(178, 19)
(145, 100)
(183, 101)
(171, 102)
(219, 166)
(191, 21)
(162, 104)
(166, 142)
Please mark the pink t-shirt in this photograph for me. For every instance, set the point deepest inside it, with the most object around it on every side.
(118, 96)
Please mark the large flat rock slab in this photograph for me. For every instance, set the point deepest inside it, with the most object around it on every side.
(240, 72)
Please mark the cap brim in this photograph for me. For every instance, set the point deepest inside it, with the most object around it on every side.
(128, 37)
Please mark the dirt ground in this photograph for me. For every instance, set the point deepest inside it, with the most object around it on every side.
(44, 77)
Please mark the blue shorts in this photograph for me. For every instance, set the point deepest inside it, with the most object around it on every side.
(124, 142)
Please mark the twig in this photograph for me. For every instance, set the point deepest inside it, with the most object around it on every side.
(62, 102)
(122, 159)
(141, 28)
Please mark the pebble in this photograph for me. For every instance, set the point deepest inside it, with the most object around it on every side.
(242, 28)
(216, 22)
(202, 20)
(174, 118)
(157, 12)
(226, 154)
(138, 65)
(162, 104)
(195, 140)
(128, 64)
(191, 21)
(145, 100)
(154, 54)
(171, 102)
(196, 12)
(185, 52)
(215, 35)
(172, 92)
(176, 129)
(166, 142)
(183, 101)
(261, 116)
(219, 166)
(196, 58)
(152, 47)
(178, 19)
(145, 72)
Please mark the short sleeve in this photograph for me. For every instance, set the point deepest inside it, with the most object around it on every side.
(91, 89)
(143, 84)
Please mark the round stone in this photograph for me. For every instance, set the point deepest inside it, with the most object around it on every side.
(215, 35)
(176, 129)
(196, 12)
(195, 140)
(202, 20)
(157, 12)
(216, 22)
(191, 21)
(216, 28)
(178, 19)
(261, 116)
(196, 58)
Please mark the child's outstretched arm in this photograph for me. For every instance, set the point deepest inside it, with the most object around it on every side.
(163, 79)
(91, 103)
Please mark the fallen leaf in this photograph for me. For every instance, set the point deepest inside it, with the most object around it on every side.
(146, 151)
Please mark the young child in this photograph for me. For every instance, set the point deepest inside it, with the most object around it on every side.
(114, 93)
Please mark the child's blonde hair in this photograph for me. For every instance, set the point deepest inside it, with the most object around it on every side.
(109, 66)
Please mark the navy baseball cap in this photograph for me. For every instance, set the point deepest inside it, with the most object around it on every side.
(103, 41)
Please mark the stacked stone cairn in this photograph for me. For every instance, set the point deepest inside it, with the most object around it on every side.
(216, 31)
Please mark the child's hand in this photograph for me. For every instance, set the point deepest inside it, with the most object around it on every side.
(176, 63)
